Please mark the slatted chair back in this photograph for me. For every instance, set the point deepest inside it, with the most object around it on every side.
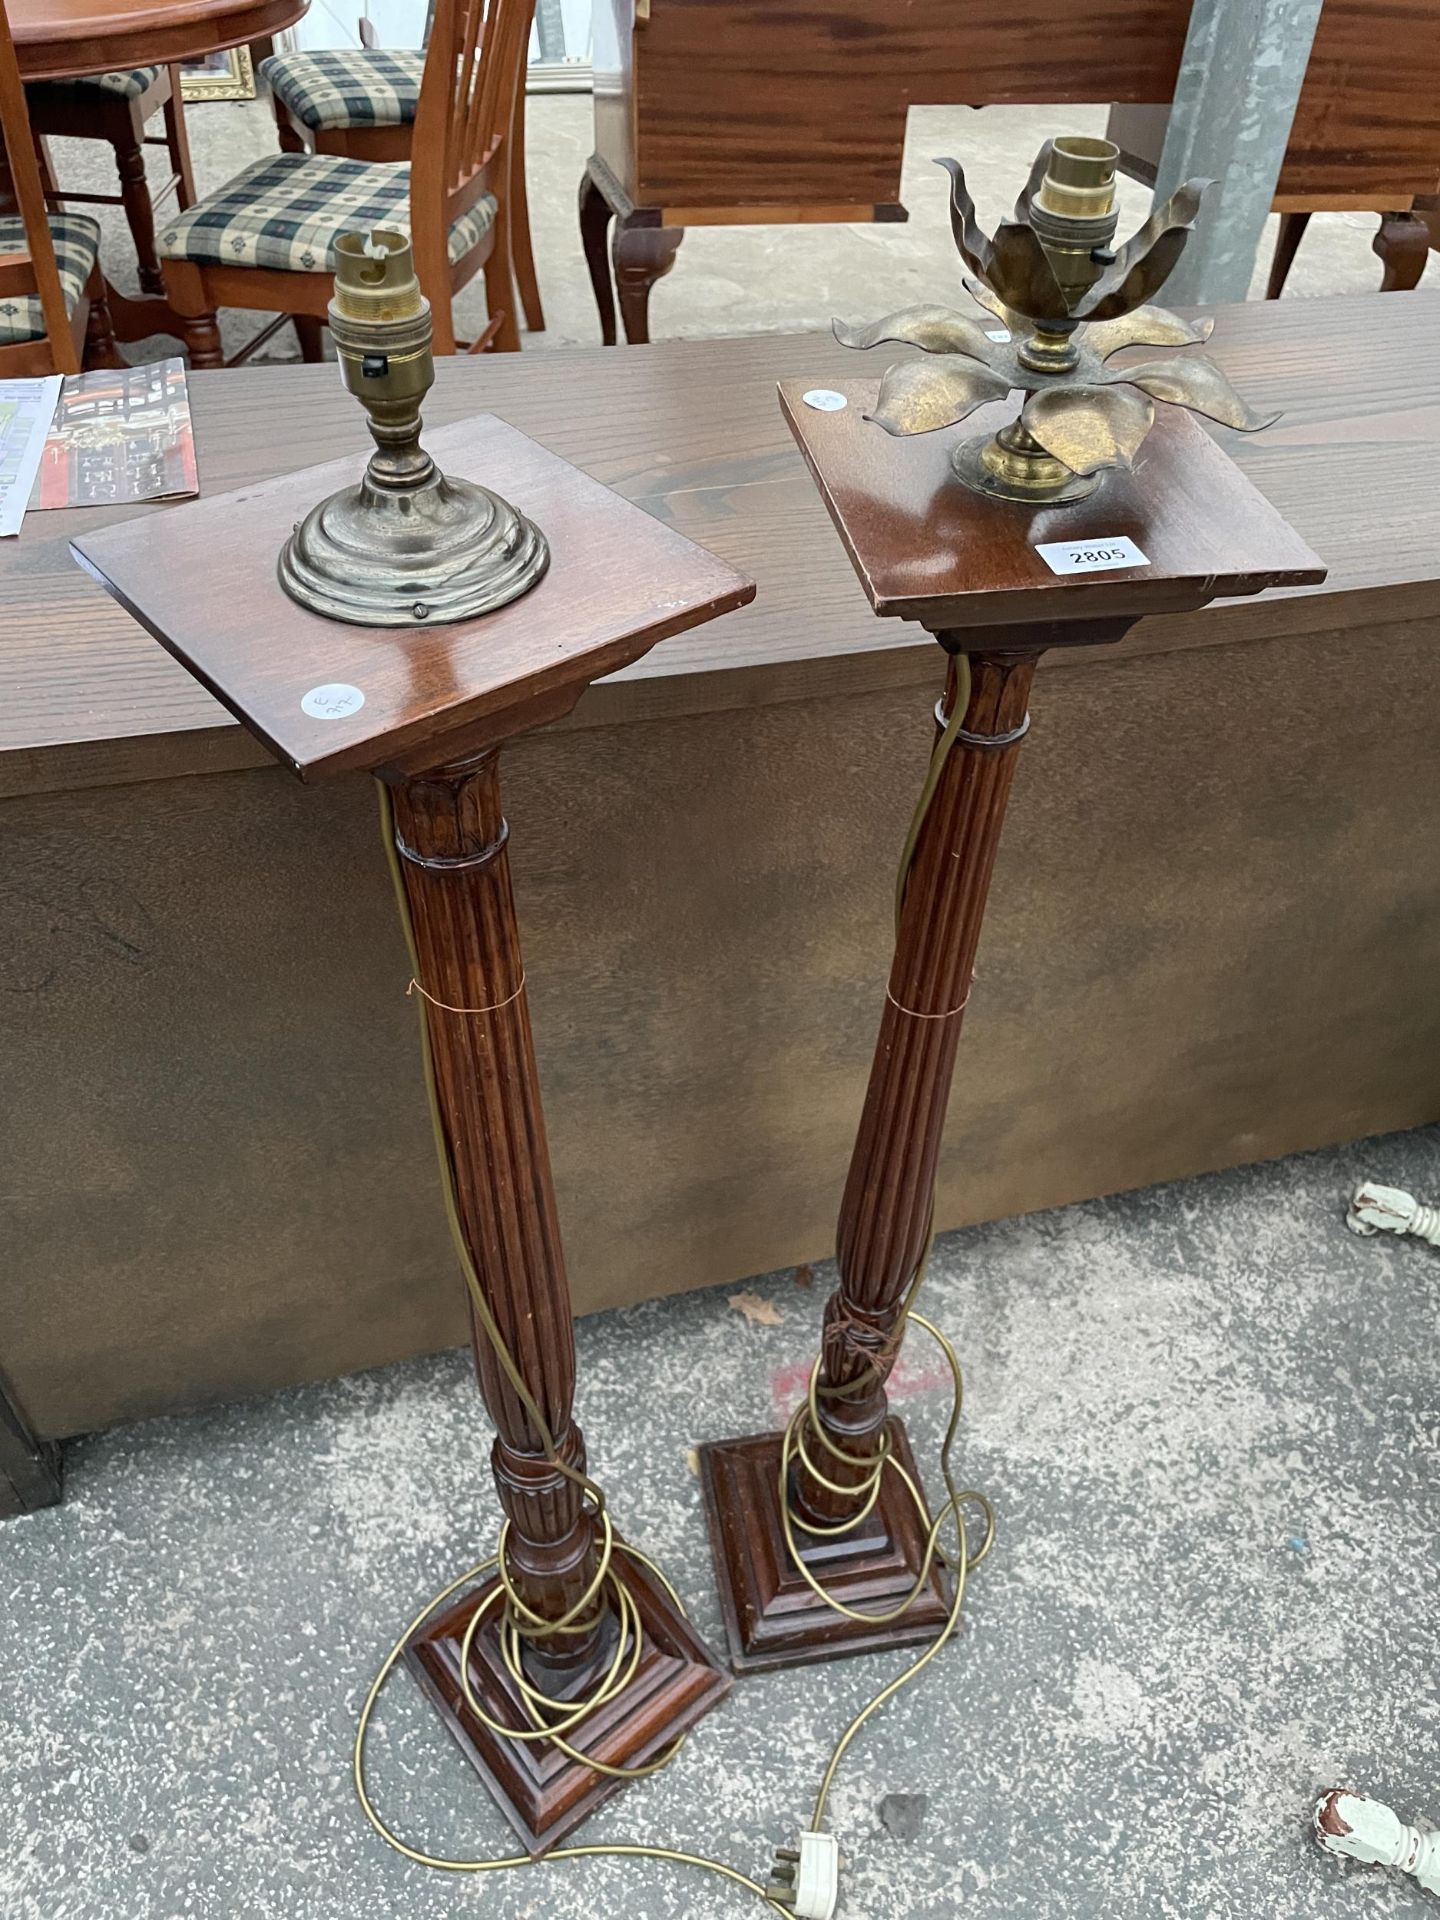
(33, 272)
(474, 71)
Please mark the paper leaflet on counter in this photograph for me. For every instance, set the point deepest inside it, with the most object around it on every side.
(26, 407)
(119, 435)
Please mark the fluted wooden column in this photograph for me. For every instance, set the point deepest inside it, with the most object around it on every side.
(885, 1211)
(451, 836)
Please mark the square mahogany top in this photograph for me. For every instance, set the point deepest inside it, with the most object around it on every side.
(202, 578)
(927, 548)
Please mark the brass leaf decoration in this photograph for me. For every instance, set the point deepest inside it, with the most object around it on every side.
(1085, 428)
(917, 396)
(1038, 169)
(1193, 381)
(936, 329)
(991, 302)
(1146, 327)
(1147, 259)
(1021, 273)
(1081, 413)
(970, 237)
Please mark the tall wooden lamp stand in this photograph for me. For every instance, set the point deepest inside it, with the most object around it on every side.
(1183, 528)
(426, 709)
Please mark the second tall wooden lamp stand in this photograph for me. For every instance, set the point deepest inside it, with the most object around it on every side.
(1186, 528)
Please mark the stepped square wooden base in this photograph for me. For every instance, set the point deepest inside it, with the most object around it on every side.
(541, 1791)
(773, 1617)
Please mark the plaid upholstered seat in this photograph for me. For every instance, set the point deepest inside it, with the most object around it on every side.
(287, 212)
(128, 85)
(370, 87)
(77, 242)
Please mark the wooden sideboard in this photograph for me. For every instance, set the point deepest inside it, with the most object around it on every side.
(728, 112)
(1212, 940)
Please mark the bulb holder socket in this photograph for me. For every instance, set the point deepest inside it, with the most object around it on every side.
(406, 546)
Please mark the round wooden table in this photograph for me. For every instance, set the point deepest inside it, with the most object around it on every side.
(63, 39)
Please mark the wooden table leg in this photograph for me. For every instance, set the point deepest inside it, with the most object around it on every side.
(639, 252)
(596, 214)
(642, 255)
(1287, 245)
(772, 1616)
(1402, 244)
(450, 835)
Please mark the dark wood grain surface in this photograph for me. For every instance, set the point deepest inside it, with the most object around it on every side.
(59, 39)
(618, 582)
(1368, 119)
(709, 106)
(692, 433)
(928, 549)
(739, 102)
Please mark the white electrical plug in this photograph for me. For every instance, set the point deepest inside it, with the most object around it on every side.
(807, 1878)
(1362, 1829)
(1375, 1209)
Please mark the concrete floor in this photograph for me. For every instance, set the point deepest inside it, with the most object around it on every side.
(1206, 1414)
(748, 279)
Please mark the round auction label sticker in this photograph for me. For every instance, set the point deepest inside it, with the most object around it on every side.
(332, 702)
(825, 400)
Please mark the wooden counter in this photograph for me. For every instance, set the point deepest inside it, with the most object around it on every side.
(1212, 937)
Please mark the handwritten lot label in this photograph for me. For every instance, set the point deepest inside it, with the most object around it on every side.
(332, 702)
(825, 400)
(1091, 556)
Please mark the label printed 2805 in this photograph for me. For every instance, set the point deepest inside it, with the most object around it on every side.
(1091, 556)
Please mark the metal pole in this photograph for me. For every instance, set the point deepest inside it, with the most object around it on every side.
(1240, 78)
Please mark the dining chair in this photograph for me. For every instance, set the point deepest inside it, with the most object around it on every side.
(51, 288)
(266, 240)
(118, 107)
(360, 103)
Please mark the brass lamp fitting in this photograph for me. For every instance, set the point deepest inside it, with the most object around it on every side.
(407, 546)
(1069, 301)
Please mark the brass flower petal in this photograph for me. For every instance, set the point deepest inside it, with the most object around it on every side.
(1146, 327)
(991, 302)
(1032, 185)
(1194, 381)
(1147, 259)
(1021, 273)
(973, 243)
(1082, 413)
(936, 329)
(916, 396)
(1083, 427)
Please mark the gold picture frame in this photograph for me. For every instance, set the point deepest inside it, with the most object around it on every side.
(228, 75)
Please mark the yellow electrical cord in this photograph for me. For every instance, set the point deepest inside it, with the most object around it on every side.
(520, 1622)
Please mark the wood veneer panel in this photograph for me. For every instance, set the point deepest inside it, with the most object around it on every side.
(738, 103)
(1368, 118)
